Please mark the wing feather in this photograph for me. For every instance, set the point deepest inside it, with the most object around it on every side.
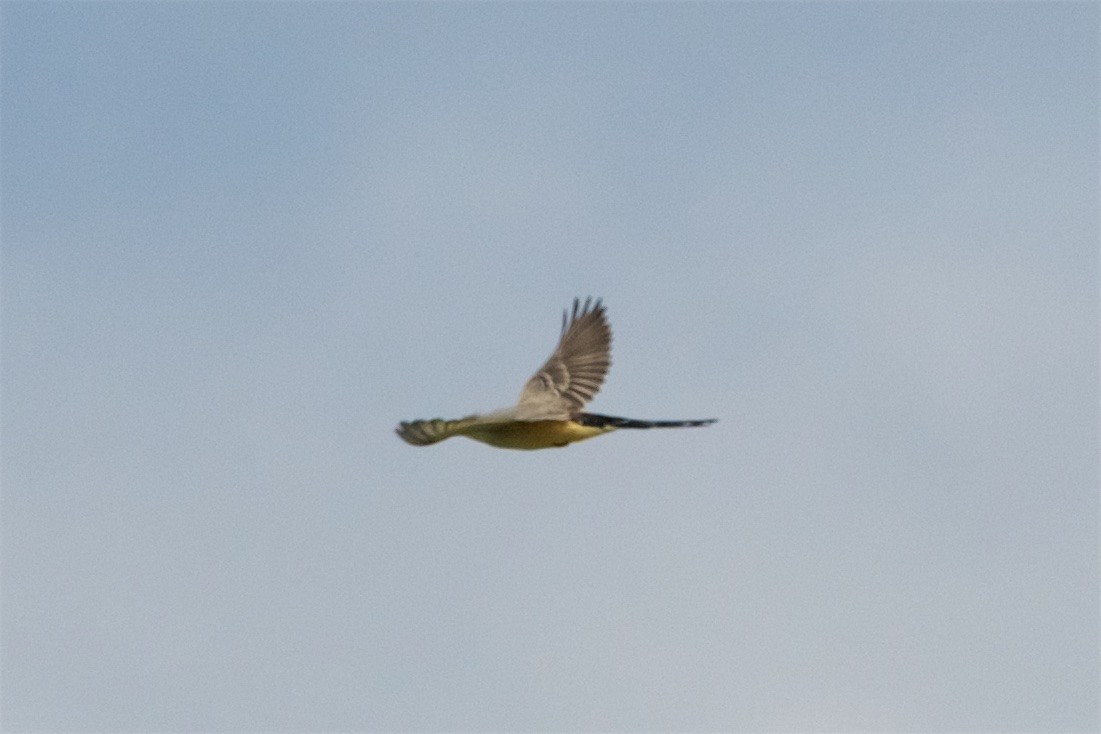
(576, 370)
(427, 432)
(424, 433)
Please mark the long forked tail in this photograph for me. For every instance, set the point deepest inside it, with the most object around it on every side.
(608, 421)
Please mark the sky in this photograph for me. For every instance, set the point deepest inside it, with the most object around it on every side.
(241, 241)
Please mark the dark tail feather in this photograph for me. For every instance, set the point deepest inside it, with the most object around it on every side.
(604, 421)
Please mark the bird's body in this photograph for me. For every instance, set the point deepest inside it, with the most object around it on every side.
(548, 413)
(509, 434)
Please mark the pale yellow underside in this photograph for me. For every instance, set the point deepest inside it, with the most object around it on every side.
(530, 434)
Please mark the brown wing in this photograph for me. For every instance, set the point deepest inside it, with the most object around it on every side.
(425, 433)
(576, 370)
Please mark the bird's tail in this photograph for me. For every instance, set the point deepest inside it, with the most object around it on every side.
(608, 421)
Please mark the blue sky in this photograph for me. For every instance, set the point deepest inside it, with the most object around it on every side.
(242, 240)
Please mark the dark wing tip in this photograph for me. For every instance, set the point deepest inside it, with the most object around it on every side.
(422, 433)
(581, 310)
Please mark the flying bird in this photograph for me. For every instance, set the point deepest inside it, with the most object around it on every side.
(549, 412)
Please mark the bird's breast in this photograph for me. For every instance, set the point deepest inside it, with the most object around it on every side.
(533, 434)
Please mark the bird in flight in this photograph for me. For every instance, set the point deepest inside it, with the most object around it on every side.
(549, 410)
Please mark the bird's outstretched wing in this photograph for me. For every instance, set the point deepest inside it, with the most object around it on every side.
(424, 433)
(576, 370)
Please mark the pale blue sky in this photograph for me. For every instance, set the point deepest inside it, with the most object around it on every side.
(241, 241)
